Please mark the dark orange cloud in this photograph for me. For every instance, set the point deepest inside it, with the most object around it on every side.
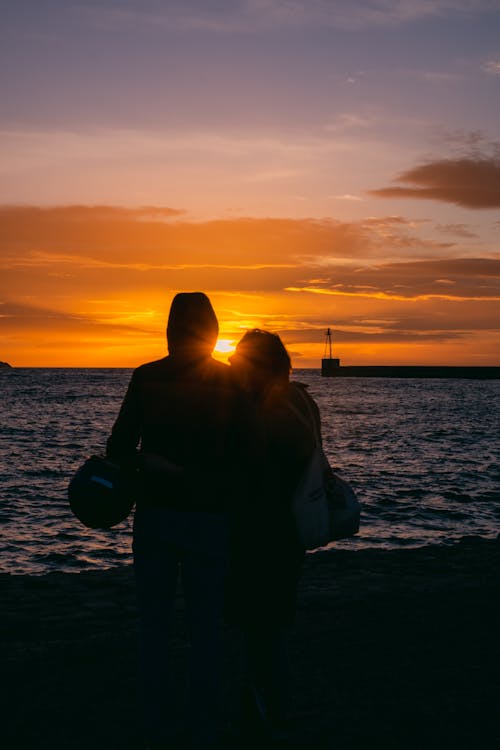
(19, 316)
(459, 230)
(341, 336)
(71, 253)
(141, 237)
(468, 182)
(460, 278)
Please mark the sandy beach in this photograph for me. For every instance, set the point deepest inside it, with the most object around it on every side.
(395, 649)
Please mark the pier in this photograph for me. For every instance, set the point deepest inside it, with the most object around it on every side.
(331, 368)
(412, 371)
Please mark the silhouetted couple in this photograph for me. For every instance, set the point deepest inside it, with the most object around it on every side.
(221, 453)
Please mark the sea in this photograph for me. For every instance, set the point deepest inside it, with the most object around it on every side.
(423, 456)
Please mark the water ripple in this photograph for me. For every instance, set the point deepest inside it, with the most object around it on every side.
(420, 453)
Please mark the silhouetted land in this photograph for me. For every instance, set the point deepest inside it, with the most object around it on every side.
(393, 649)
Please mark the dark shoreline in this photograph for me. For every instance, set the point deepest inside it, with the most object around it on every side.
(395, 649)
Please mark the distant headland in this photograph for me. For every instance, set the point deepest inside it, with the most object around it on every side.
(5, 364)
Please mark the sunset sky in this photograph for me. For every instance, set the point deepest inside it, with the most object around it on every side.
(306, 163)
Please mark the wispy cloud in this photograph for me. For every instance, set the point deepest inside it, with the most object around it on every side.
(247, 16)
(471, 278)
(459, 230)
(22, 316)
(493, 67)
(347, 122)
(206, 169)
(155, 246)
(346, 197)
(165, 238)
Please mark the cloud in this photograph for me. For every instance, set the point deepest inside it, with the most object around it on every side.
(249, 16)
(467, 182)
(157, 242)
(346, 197)
(106, 261)
(493, 67)
(155, 237)
(447, 279)
(20, 316)
(346, 122)
(459, 230)
(206, 169)
(74, 275)
(438, 77)
(75, 214)
(377, 337)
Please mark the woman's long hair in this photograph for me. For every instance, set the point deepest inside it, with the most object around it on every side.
(264, 352)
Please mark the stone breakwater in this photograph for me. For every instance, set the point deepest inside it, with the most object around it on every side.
(398, 648)
(412, 371)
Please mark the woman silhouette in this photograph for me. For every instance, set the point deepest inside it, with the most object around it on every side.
(266, 555)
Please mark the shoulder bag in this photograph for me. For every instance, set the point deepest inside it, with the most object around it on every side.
(324, 505)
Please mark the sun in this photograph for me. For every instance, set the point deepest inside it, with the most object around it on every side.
(225, 346)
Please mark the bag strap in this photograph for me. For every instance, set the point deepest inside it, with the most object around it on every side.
(311, 422)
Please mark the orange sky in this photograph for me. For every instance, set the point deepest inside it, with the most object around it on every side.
(91, 286)
(307, 165)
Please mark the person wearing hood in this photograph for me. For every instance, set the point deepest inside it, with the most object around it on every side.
(179, 411)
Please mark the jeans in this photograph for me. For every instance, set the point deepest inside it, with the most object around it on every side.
(194, 545)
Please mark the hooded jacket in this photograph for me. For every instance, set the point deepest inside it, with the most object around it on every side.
(180, 412)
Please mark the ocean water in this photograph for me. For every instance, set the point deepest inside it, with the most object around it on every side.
(423, 455)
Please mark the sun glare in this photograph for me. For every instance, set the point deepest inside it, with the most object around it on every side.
(225, 346)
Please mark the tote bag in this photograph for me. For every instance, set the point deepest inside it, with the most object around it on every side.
(311, 504)
(324, 505)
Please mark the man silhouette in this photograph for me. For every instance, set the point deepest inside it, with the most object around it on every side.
(179, 410)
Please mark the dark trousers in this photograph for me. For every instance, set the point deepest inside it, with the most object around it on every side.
(267, 670)
(169, 544)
